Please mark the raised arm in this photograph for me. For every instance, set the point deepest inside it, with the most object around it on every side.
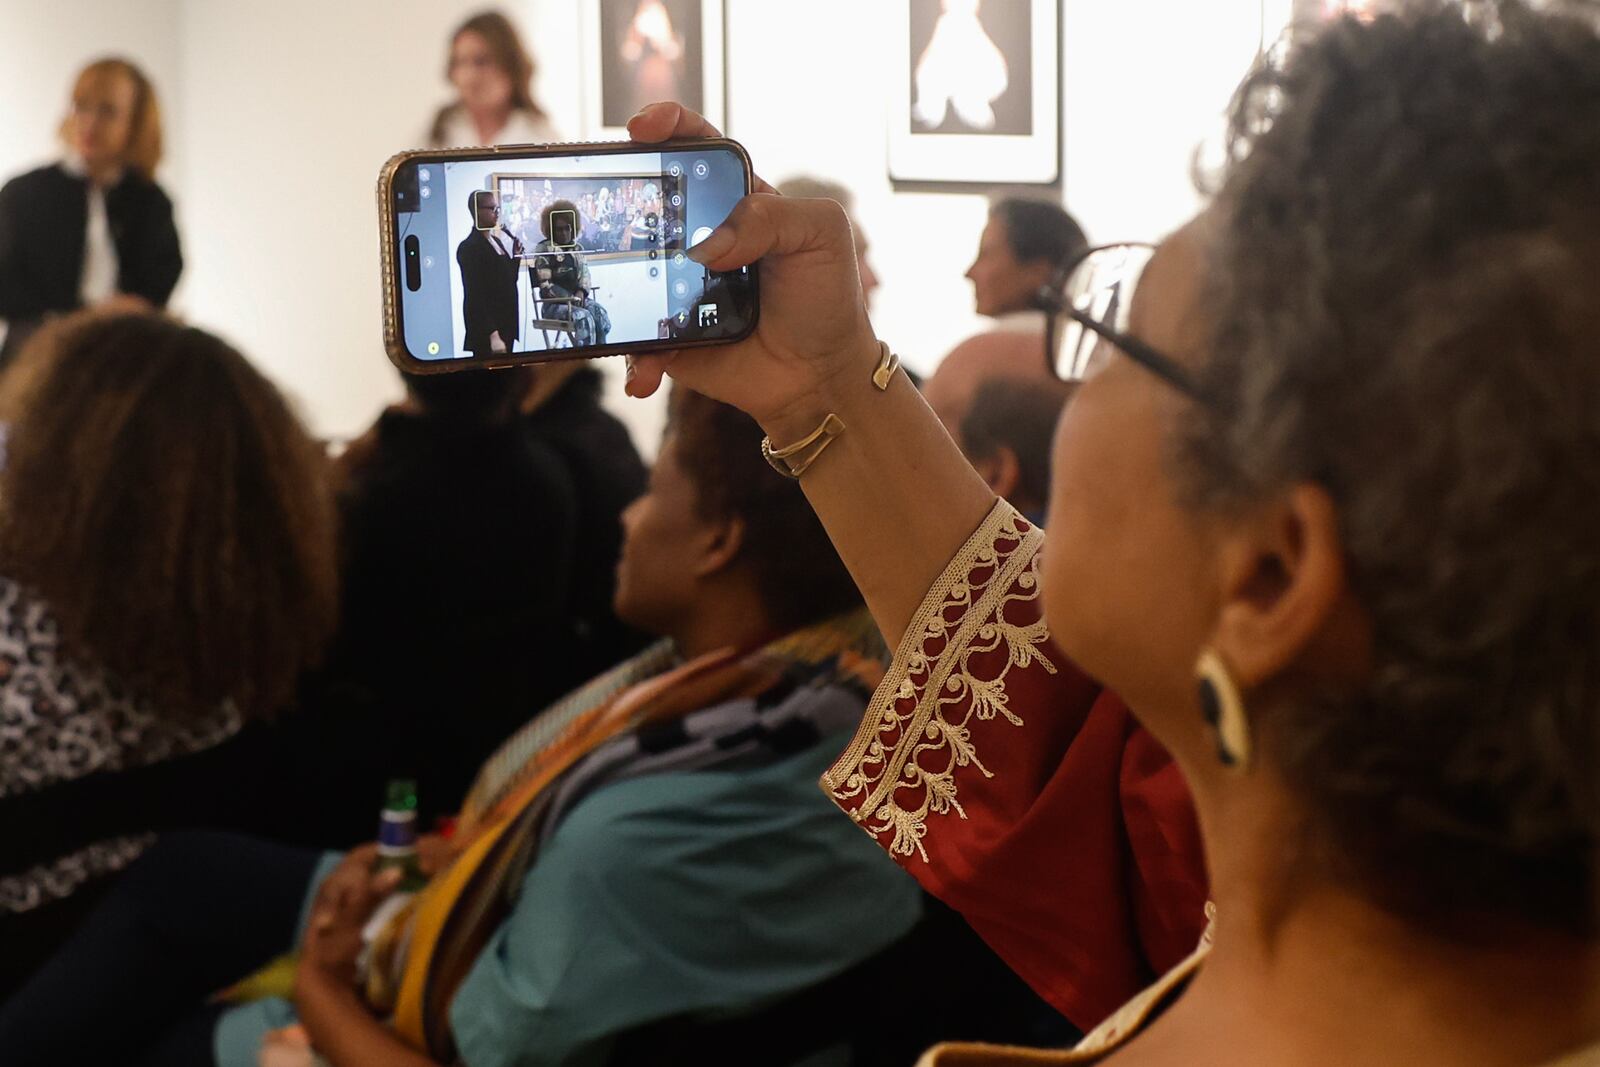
(893, 491)
(1007, 782)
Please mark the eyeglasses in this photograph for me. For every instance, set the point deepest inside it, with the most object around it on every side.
(1094, 301)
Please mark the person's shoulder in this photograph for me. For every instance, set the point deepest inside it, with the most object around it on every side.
(545, 483)
(23, 611)
(598, 445)
(29, 636)
(731, 839)
(146, 189)
(999, 339)
(755, 800)
(525, 127)
(49, 176)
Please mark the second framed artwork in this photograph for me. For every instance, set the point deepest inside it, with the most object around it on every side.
(637, 52)
(975, 91)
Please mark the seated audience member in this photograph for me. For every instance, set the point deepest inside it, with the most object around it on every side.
(652, 846)
(564, 411)
(818, 188)
(167, 552)
(1000, 403)
(1025, 246)
(1324, 512)
(560, 276)
(94, 230)
(459, 535)
(466, 583)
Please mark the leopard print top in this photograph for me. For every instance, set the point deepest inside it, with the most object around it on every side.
(62, 718)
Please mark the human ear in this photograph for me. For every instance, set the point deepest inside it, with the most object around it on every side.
(720, 545)
(1283, 587)
(1007, 472)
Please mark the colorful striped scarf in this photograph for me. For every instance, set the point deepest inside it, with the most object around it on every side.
(430, 947)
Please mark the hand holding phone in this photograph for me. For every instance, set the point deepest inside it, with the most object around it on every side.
(813, 325)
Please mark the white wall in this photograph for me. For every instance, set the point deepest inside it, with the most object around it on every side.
(280, 115)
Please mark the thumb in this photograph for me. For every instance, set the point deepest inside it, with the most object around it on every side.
(644, 373)
(766, 224)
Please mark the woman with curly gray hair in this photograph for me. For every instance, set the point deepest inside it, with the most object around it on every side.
(1326, 513)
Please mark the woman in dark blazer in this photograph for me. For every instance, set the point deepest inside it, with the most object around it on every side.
(94, 229)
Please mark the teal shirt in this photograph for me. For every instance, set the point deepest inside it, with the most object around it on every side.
(679, 893)
(714, 891)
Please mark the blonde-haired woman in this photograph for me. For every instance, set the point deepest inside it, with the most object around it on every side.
(93, 229)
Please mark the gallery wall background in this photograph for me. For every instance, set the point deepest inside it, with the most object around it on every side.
(279, 116)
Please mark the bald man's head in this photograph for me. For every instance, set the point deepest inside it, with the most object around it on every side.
(1000, 402)
(1012, 355)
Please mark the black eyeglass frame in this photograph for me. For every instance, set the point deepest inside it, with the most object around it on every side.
(1156, 362)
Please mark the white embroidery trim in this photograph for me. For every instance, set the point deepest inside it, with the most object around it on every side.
(980, 628)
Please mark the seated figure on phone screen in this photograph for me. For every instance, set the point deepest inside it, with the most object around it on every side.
(561, 284)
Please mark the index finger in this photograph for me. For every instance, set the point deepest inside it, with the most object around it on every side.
(669, 121)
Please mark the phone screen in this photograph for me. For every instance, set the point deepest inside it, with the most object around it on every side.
(510, 254)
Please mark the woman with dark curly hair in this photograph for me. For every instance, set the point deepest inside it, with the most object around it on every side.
(560, 276)
(1325, 512)
(167, 570)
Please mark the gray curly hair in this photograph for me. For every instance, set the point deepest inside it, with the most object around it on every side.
(1405, 310)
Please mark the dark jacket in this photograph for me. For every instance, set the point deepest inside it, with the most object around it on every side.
(608, 476)
(44, 218)
(488, 293)
(458, 545)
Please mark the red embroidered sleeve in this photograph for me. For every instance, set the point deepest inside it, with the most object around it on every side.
(1023, 794)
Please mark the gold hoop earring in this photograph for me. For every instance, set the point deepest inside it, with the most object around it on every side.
(1223, 709)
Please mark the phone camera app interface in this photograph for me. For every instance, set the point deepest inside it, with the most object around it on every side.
(538, 254)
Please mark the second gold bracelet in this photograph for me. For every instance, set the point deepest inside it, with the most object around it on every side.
(792, 462)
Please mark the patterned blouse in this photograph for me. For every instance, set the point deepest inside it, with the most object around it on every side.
(1022, 793)
(62, 718)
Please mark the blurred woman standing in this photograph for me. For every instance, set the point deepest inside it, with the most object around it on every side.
(93, 229)
(493, 78)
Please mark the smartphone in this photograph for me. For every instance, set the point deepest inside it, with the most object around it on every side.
(529, 253)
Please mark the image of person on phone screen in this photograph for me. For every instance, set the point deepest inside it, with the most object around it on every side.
(489, 259)
(560, 277)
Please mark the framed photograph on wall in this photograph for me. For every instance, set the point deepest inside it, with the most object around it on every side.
(639, 51)
(976, 91)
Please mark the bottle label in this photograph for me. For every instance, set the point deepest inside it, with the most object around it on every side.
(397, 832)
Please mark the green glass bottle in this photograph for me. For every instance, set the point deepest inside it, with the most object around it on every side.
(397, 835)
